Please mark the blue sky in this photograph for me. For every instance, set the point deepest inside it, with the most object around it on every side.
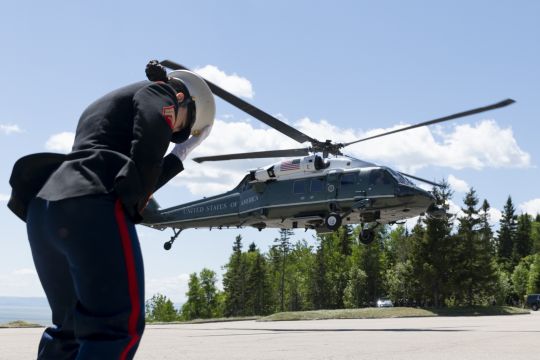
(337, 70)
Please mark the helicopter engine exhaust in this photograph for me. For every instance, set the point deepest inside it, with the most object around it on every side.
(304, 165)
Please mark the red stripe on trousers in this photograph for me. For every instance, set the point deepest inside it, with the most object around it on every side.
(132, 278)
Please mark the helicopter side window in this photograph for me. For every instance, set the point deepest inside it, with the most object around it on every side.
(299, 187)
(348, 179)
(247, 186)
(317, 185)
(379, 177)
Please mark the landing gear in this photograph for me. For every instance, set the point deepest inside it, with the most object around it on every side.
(333, 221)
(168, 244)
(367, 234)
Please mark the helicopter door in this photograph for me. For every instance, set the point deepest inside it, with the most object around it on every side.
(332, 185)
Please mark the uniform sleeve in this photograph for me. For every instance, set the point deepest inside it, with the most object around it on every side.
(152, 128)
(172, 166)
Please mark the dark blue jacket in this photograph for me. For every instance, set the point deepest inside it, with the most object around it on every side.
(119, 147)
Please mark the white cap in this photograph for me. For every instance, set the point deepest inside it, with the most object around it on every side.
(201, 95)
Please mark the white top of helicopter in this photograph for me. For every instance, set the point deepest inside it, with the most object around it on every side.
(306, 167)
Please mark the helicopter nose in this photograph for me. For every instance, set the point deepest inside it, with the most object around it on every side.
(407, 190)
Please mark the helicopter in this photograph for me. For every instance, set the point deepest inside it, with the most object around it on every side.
(318, 188)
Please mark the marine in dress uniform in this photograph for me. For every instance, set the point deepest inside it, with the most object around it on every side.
(81, 209)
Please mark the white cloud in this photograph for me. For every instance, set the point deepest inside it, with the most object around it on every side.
(407, 152)
(174, 287)
(458, 184)
(4, 197)
(531, 207)
(61, 142)
(495, 216)
(478, 146)
(455, 210)
(9, 129)
(236, 84)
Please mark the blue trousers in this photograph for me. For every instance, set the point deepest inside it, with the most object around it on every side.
(89, 262)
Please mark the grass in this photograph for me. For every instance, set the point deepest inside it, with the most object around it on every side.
(204, 321)
(19, 324)
(364, 313)
(395, 312)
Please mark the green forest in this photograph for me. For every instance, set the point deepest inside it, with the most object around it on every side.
(440, 263)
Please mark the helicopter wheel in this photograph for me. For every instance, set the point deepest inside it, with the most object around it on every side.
(366, 236)
(168, 244)
(333, 221)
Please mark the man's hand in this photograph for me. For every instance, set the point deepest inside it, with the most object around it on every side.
(183, 149)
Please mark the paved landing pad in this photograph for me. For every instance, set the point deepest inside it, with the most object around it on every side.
(476, 338)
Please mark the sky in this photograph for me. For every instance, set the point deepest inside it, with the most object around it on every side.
(342, 71)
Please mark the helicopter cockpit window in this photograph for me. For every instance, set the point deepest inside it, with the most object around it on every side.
(348, 179)
(400, 178)
(380, 177)
(247, 186)
(317, 185)
(299, 187)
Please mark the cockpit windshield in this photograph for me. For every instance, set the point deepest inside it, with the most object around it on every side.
(400, 178)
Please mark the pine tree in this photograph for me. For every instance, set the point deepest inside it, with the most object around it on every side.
(369, 260)
(258, 287)
(475, 273)
(523, 243)
(283, 247)
(417, 262)
(433, 264)
(506, 234)
(193, 308)
(535, 235)
(234, 281)
(337, 265)
(252, 247)
(486, 233)
(301, 264)
(318, 284)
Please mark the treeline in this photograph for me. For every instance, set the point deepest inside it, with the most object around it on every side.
(439, 263)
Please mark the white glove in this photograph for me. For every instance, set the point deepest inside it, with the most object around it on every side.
(183, 149)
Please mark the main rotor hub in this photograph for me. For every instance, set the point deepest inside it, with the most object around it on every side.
(327, 148)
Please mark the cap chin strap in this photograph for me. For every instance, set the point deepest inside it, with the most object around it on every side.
(182, 135)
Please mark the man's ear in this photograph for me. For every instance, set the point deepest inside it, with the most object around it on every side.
(180, 97)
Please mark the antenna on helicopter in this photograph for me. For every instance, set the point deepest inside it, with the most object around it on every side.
(327, 147)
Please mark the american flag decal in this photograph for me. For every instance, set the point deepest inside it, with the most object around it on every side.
(290, 165)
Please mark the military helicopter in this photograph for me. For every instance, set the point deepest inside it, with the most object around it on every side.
(319, 189)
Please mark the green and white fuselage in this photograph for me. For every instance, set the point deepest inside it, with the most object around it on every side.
(300, 193)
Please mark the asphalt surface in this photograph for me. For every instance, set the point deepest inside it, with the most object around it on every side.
(486, 337)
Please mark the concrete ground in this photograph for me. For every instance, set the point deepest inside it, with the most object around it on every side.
(490, 337)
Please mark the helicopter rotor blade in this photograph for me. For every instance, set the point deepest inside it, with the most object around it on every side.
(420, 179)
(439, 120)
(255, 155)
(249, 109)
